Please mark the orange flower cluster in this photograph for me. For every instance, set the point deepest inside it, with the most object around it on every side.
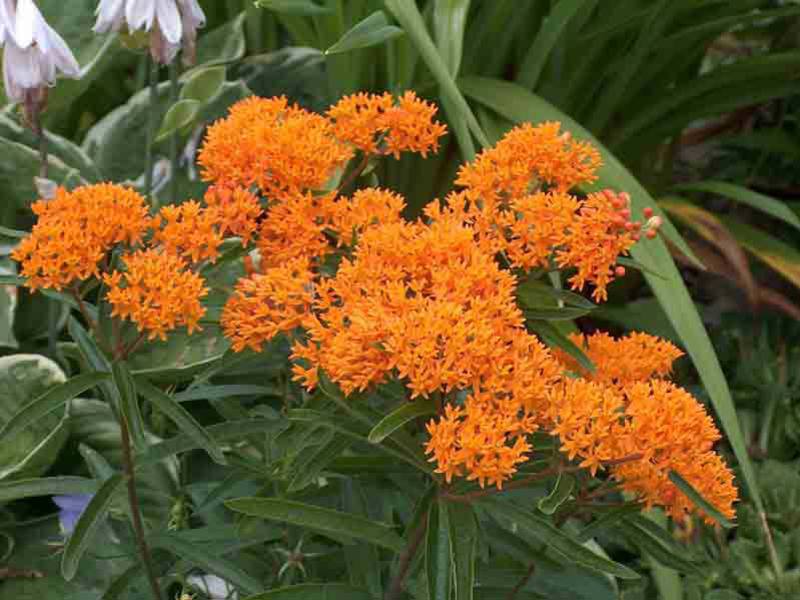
(639, 425)
(286, 151)
(75, 230)
(157, 292)
(376, 125)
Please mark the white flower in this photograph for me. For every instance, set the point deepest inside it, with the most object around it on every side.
(212, 586)
(172, 23)
(34, 53)
(6, 19)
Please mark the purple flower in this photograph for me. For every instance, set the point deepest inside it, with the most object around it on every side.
(72, 507)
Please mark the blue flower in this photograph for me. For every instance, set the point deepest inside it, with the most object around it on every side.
(72, 506)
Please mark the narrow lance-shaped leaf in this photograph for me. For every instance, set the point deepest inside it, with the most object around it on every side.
(129, 402)
(463, 545)
(437, 553)
(49, 402)
(695, 496)
(315, 591)
(46, 486)
(87, 526)
(183, 419)
(399, 417)
(324, 520)
(560, 494)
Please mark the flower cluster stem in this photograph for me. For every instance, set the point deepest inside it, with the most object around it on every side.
(152, 75)
(136, 516)
(173, 141)
(396, 585)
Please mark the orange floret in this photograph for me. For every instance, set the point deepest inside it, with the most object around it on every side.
(266, 304)
(283, 150)
(236, 211)
(157, 291)
(620, 361)
(190, 231)
(408, 126)
(367, 208)
(76, 229)
(527, 157)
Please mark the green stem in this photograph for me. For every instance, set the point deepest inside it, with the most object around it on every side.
(151, 130)
(406, 558)
(173, 141)
(136, 515)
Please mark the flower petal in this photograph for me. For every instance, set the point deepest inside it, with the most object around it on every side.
(169, 20)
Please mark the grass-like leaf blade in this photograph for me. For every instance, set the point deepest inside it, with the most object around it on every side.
(695, 496)
(399, 417)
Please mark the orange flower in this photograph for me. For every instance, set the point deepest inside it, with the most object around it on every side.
(295, 229)
(236, 212)
(283, 150)
(157, 292)
(408, 126)
(367, 208)
(628, 359)
(267, 304)
(527, 157)
(190, 231)
(76, 229)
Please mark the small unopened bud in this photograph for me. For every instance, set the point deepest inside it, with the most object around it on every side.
(651, 233)
(630, 226)
(619, 271)
(655, 222)
(636, 236)
(648, 212)
(626, 198)
(625, 213)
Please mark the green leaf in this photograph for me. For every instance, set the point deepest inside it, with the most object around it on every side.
(315, 591)
(23, 378)
(373, 30)
(437, 553)
(449, 24)
(46, 486)
(314, 459)
(121, 583)
(533, 293)
(408, 15)
(183, 419)
(48, 402)
(13, 280)
(335, 523)
(559, 494)
(180, 115)
(399, 417)
(519, 105)
(693, 495)
(552, 28)
(554, 338)
(225, 44)
(779, 255)
(363, 560)
(463, 546)
(208, 560)
(766, 204)
(558, 540)
(202, 85)
(659, 544)
(305, 8)
(87, 526)
(214, 392)
(129, 402)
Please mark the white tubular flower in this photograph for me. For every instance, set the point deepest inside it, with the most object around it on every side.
(171, 23)
(34, 54)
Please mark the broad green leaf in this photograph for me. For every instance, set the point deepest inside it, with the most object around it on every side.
(46, 486)
(399, 417)
(766, 204)
(209, 560)
(222, 45)
(48, 402)
(558, 540)
(659, 544)
(202, 85)
(553, 27)
(373, 30)
(463, 548)
(315, 591)
(183, 419)
(87, 526)
(517, 104)
(306, 8)
(693, 495)
(558, 495)
(23, 378)
(449, 24)
(408, 15)
(179, 116)
(438, 560)
(323, 520)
